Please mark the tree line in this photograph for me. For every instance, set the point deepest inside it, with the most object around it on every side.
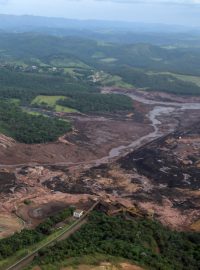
(95, 102)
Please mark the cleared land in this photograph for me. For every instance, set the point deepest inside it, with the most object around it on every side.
(111, 80)
(103, 266)
(9, 224)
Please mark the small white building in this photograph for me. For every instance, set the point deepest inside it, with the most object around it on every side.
(78, 213)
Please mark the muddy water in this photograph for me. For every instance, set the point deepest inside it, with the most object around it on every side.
(160, 109)
(184, 106)
(157, 111)
(153, 115)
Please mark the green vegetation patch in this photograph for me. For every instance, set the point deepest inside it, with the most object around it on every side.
(51, 102)
(185, 78)
(48, 100)
(31, 112)
(27, 86)
(59, 108)
(108, 60)
(98, 102)
(60, 62)
(15, 101)
(28, 128)
(106, 79)
(157, 82)
(142, 241)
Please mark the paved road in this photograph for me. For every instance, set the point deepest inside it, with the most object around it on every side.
(62, 236)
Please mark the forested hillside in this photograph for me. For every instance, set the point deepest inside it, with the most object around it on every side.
(25, 87)
(75, 68)
(29, 128)
(131, 62)
(142, 241)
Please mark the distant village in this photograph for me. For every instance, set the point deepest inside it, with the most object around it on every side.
(89, 75)
(31, 68)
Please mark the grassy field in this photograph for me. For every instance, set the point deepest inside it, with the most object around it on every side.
(33, 112)
(51, 101)
(188, 78)
(68, 63)
(59, 108)
(15, 101)
(113, 80)
(108, 60)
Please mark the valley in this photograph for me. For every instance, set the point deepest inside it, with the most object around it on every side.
(99, 149)
(95, 160)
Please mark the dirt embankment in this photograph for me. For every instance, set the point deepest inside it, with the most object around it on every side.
(105, 266)
(101, 266)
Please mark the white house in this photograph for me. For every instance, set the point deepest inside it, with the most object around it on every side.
(78, 213)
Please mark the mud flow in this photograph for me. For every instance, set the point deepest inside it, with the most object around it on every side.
(147, 160)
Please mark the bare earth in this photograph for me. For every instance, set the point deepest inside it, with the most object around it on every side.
(160, 178)
(102, 266)
(92, 138)
(106, 266)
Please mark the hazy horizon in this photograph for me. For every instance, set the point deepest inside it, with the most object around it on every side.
(177, 12)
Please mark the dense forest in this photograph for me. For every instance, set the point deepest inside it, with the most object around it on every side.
(97, 102)
(26, 86)
(39, 48)
(29, 128)
(142, 241)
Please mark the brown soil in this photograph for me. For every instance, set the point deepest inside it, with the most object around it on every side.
(105, 266)
(9, 224)
(161, 178)
(93, 139)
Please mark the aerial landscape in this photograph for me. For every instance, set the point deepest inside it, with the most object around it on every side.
(99, 135)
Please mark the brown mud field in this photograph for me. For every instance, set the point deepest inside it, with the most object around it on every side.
(92, 138)
(149, 160)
